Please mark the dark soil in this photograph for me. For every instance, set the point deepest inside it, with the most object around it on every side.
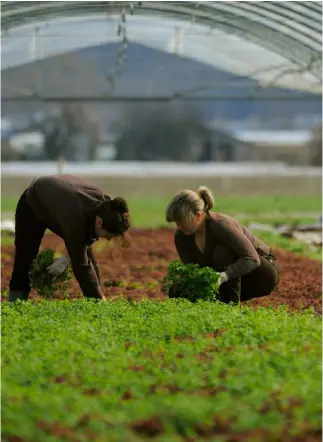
(136, 273)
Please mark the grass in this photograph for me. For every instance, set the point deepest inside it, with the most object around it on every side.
(6, 240)
(293, 245)
(150, 212)
(120, 372)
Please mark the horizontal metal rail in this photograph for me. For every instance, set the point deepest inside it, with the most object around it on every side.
(111, 99)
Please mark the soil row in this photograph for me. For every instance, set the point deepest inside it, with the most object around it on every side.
(136, 273)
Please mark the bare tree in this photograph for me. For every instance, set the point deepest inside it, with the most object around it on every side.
(315, 146)
(163, 134)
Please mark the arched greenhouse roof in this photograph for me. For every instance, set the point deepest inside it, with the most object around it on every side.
(276, 43)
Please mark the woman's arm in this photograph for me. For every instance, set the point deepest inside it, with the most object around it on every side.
(93, 260)
(229, 235)
(183, 248)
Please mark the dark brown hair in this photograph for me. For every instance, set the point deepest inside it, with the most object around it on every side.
(115, 216)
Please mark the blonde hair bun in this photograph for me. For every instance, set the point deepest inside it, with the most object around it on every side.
(206, 195)
(186, 203)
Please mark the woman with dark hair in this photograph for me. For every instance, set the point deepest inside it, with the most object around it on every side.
(78, 212)
(246, 266)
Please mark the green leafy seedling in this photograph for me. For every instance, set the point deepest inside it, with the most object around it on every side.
(191, 281)
(40, 280)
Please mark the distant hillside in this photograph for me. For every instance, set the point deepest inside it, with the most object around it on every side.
(145, 72)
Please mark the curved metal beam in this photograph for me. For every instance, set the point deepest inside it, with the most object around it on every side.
(257, 14)
(302, 24)
(283, 45)
(292, 29)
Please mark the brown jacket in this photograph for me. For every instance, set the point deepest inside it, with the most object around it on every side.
(227, 231)
(67, 205)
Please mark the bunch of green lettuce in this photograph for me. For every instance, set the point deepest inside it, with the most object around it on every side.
(191, 281)
(40, 280)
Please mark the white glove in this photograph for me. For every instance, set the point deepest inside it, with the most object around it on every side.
(223, 278)
(58, 267)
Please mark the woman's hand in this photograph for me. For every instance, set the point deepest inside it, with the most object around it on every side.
(58, 267)
(223, 277)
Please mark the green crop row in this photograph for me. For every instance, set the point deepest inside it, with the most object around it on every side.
(277, 209)
(277, 241)
(81, 370)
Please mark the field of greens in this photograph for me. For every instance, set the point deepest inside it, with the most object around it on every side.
(150, 368)
(172, 370)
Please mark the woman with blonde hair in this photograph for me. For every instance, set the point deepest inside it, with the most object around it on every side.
(246, 265)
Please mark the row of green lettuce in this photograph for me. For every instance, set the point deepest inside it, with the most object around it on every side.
(124, 371)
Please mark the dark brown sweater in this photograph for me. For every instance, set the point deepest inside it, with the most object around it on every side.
(223, 230)
(67, 205)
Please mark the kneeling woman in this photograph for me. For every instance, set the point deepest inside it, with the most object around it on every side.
(247, 266)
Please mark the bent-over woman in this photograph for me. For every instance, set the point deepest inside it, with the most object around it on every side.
(77, 211)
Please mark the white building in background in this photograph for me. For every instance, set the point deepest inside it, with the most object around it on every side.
(106, 152)
(289, 146)
(6, 125)
(30, 144)
(273, 137)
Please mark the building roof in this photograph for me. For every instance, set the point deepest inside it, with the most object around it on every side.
(277, 137)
